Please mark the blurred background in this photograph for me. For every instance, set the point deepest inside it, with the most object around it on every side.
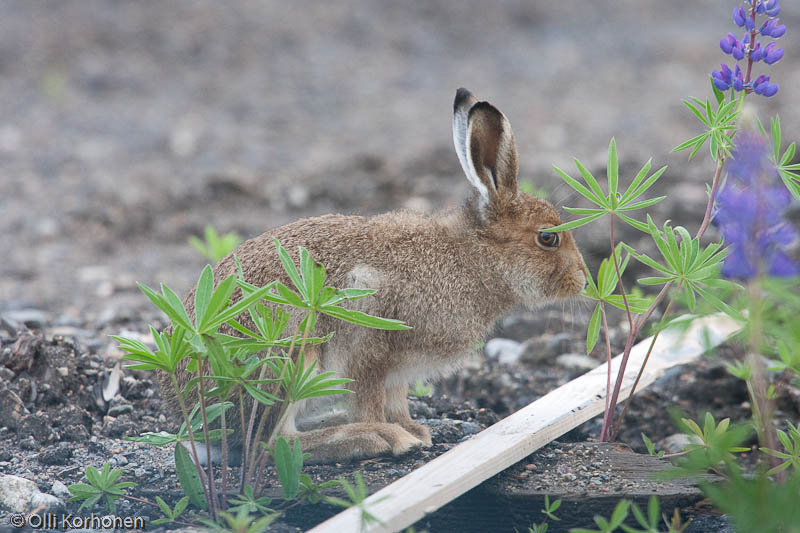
(126, 127)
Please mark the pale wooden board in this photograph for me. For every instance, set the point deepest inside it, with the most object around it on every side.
(448, 476)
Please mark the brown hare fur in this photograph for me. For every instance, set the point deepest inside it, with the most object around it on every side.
(450, 276)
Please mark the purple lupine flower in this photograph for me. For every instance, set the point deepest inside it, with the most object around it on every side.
(758, 53)
(749, 214)
(738, 79)
(744, 16)
(728, 43)
(771, 54)
(739, 16)
(722, 78)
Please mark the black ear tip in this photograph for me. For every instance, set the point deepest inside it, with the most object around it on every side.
(462, 95)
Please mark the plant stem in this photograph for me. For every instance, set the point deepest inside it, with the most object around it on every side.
(608, 355)
(212, 488)
(641, 369)
(185, 413)
(619, 275)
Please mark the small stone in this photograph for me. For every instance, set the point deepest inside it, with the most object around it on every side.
(33, 318)
(560, 343)
(47, 502)
(16, 493)
(676, 442)
(60, 490)
(530, 466)
(298, 196)
(536, 350)
(118, 460)
(576, 361)
(120, 409)
(55, 455)
(470, 428)
(63, 371)
(506, 351)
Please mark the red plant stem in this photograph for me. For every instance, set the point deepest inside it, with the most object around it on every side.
(641, 370)
(619, 275)
(607, 433)
(608, 355)
(750, 47)
(212, 483)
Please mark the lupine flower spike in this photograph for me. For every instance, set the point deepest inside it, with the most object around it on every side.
(750, 214)
(751, 50)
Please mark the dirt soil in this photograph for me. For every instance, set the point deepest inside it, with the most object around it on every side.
(126, 127)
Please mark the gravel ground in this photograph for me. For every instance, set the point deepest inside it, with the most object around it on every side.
(126, 127)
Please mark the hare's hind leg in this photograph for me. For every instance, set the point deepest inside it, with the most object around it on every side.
(396, 410)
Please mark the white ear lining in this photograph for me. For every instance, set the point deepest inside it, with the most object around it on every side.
(461, 129)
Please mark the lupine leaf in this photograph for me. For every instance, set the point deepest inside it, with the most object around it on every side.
(593, 332)
(582, 190)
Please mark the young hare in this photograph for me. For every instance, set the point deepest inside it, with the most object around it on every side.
(450, 276)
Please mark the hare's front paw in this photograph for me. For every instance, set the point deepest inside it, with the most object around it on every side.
(419, 431)
(400, 440)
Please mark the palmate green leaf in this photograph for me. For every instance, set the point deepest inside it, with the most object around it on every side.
(642, 204)
(363, 319)
(290, 296)
(219, 299)
(776, 136)
(203, 292)
(590, 180)
(161, 438)
(580, 189)
(697, 113)
(612, 172)
(593, 333)
(788, 155)
(583, 211)
(171, 306)
(237, 309)
(696, 141)
(289, 267)
(635, 304)
(641, 226)
(188, 478)
(575, 223)
(289, 464)
(636, 189)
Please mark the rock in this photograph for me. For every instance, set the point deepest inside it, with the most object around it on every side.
(55, 455)
(536, 350)
(12, 409)
(676, 442)
(36, 426)
(470, 428)
(118, 460)
(506, 351)
(33, 318)
(16, 493)
(60, 490)
(560, 343)
(576, 361)
(120, 409)
(29, 443)
(46, 502)
(420, 409)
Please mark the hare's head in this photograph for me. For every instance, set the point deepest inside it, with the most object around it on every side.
(538, 265)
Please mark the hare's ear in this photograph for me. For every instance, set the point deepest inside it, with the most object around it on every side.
(485, 145)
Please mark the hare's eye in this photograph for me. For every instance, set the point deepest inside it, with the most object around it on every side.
(547, 239)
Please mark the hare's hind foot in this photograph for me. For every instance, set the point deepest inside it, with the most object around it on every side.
(360, 440)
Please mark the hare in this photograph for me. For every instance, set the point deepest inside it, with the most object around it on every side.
(450, 276)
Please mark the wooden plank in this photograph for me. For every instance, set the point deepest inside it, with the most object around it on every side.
(428, 488)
